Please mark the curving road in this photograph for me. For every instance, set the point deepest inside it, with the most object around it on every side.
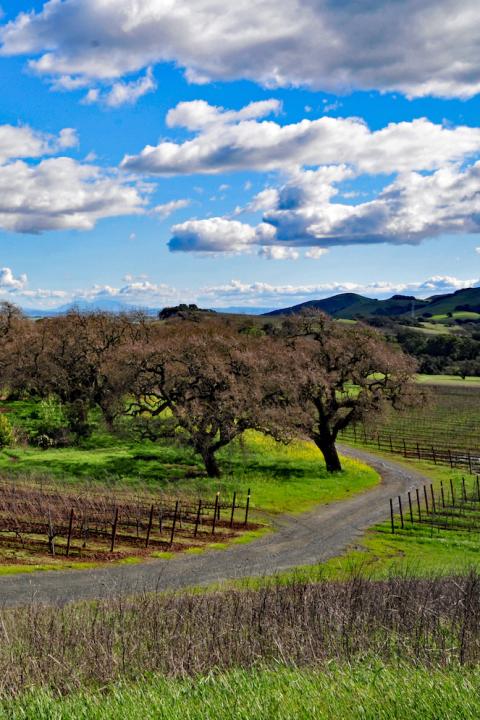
(306, 539)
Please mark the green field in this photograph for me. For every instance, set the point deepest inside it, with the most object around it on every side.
(365, 691)
(454, 380)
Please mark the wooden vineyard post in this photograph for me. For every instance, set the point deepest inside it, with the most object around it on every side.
(419, 510)
(233, 508)
(469, 463)
(391, 516)
(410, 506)
(434, 504)
(450, 457)
(442, 493)
(478, 490)
(433, 455)
(418, 451)
(149, 529)
(114, 531)
(464, 490)
(452, 493)
(160, 519)
(174, 522)
(247, 507)
(69, 538)
(215, 511)
(426, 499)
(218, 507)
(197, 519)
(404, 448)
(401, 511)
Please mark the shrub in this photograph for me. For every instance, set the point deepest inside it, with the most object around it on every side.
(6, 432)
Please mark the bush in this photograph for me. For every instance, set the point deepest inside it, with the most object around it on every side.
(6, 432)
(51, 429)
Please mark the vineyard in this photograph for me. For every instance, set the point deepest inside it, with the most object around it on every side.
(444, 430)
(98, 524)
(451, 506)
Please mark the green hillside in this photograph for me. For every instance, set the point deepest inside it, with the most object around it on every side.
(351, 305)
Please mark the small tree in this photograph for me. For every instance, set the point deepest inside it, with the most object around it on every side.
(342, 374)
(214, 382)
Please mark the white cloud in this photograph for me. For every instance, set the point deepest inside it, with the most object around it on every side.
(227, 141)
(419, 48)
(268, 295)
(8, 281)
(410, 209)
(315, 253)
(477, 250)
(167, 209)
(212, 235)
(23, 142)
(123, 93)
(60, 193)
(307, 213)
(278, 252)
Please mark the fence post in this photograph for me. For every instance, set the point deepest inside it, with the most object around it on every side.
(401, 511)
(434, 505)
(470, 463)
(410, 506)
(233, 508)
(391, 516)
(197, 520)
(174, 522)
(450, 457)
(464, 490)
(433, 455)
(426, 499)
(442, 493)
(247, 507)
(452, 493)
(404, 448)
(149, 529)
(418, 506)
(70, 525)
(215, 511)
(478, 490)
(114, 531)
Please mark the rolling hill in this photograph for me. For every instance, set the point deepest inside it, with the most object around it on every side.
(349, 306)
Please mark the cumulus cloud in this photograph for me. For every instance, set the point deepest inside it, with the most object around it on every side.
(278, 252)
(60, 193)
(123, 93)
(227, 141)
(411, 208)
(23, 142)
(419, 48)
(216, 235)
(8, 281)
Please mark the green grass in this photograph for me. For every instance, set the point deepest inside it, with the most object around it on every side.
(364, 691)
(419, 550)
(282, 478)
(448, 380)
(459, 315)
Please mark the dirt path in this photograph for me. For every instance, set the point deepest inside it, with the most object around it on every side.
(304, 539)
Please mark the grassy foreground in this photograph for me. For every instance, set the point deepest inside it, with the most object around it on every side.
(367, 691)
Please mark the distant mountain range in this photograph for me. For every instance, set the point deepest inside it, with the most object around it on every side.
(349, 306)
(116, 306)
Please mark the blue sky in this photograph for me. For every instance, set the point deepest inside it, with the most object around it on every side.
(153, 153)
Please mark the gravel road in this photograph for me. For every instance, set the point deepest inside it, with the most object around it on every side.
(303, 539)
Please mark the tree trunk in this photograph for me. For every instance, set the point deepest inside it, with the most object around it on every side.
(329, 452)
(211, 465)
